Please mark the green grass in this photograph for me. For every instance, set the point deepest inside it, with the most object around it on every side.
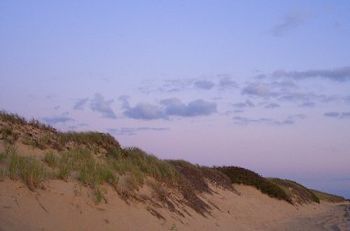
(92, 140)
(87, 169)
(244, 176)
(298, 192)
(328, 197)
(12, 118)
(8, 134)
(51, 159)
(28, 169)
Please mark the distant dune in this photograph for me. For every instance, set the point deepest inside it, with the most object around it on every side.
(51, 180)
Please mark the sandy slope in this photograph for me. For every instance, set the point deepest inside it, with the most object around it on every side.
(68, 206)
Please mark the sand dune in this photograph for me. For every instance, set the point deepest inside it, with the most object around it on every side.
(51, 180)
(68, 206)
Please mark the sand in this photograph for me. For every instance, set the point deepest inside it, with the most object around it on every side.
(69, 206)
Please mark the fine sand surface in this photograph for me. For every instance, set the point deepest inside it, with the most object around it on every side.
(69, 206)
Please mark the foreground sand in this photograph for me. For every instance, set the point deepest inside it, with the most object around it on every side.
(69, 206)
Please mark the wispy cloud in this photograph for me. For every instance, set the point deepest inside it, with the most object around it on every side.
(80, 104)
(289, 22)
(204, 84)
(340, 74)
(258, 89)
(102, 106)
(267, 121)
(272, 105)
(226, 83)
(133, 131)
(307, 104)
(57, 119)
(245, 104)
(338, 115)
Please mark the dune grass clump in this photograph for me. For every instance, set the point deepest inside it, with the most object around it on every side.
(30, 170)
(12, 118)
(244, 176)
(322, 196)
(15, 119)
(192, 173)
(81, 164)
(91, 140)
(8, 134)
(140, 164)
(297, 192)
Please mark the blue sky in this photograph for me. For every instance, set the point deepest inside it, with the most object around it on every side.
(259, 84)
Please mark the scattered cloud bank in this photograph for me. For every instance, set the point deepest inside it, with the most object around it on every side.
(169, 107)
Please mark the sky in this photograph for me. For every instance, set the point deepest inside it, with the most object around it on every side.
(260, 84)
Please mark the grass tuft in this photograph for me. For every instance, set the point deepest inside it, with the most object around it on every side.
(28, 169)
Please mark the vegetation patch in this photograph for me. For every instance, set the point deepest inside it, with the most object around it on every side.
(244, 176)
(328, 197)
(30, 170)
(296, 192)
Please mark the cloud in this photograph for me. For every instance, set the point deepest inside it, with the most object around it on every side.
(170, 107)
(332, 114)
(198, 107)
(133, 131)
(284, 85)
(102, 106)
(307, 104)
(271, 105)
(57, 119)
(245, 104)
(80, 104)
(291, 119)
(258, 89)
(145, 111)
(204, 84)
(124, 99)
(340, 74)
(339, 115)
(306, 97)
(289, 23)
(345, 115)
(267, 121)
(226, 82)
